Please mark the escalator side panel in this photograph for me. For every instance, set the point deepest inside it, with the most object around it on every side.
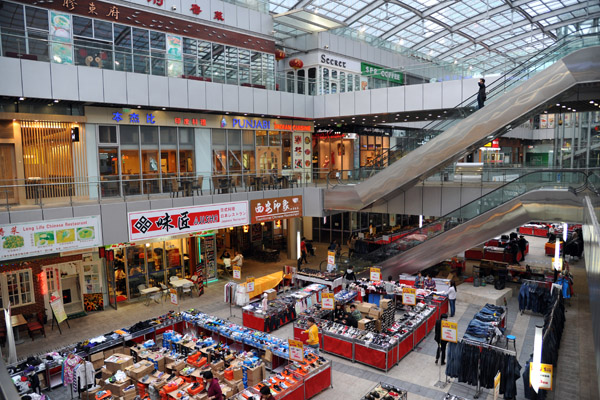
(536, 205)
(474, 131)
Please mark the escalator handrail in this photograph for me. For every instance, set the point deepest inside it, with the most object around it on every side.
(494, 86)
(452, 213)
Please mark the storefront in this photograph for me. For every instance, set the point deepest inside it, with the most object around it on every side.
(43, 157)
(149, 151)
(343, 149)
(61, 262)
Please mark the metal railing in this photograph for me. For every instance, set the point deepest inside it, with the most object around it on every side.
(41, 192)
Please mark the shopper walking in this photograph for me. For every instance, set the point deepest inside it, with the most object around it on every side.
(481, 96)
(213, 389)
(351, 243)
(451, 293)
(303, 251)
(522, 246)
(349, 276)
(313, 335)
(390, 288)
(441, 348)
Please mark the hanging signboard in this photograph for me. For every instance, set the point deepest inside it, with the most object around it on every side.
(237, 272)
(174, 299)
(58, 309)
(176, 221)
(45, 237)
(449, 331)
(375, 274)
(545, 376)
(263, 210)
(296, 350)
(409, 296)
(327, 301)
(250, 285)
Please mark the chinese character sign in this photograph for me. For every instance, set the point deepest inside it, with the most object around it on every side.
(409, 296)
(177, 221)
(272, 209)
(327, 301)
(45, 237)
(375, 274)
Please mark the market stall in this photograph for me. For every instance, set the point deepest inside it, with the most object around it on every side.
(333, 280)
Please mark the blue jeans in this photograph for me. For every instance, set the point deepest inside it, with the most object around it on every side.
(452, 307)
(313, 346)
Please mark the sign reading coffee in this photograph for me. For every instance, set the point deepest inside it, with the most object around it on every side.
(381, 73)
(275, 208)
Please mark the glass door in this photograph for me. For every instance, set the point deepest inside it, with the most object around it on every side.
(109, 171)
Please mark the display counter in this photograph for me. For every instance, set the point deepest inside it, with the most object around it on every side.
(384, 391)
(331, 280)
(531, 230)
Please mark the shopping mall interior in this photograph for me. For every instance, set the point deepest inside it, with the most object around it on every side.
(277, 199)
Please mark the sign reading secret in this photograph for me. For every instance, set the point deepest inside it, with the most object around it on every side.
(275, 208)
(178, 221)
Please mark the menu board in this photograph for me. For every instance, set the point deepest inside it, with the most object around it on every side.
(45, 237)
(58, 308)
(91, 277)
(302, 156)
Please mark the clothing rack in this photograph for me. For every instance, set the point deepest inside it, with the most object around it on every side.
(545, 284)
(480, 345)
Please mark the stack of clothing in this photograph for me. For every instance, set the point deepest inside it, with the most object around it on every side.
(484, 327)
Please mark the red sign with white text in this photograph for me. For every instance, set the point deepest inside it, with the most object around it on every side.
(177, 221)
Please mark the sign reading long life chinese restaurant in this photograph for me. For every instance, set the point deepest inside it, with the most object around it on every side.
(45, 237)
(182, 220)
(275, 208)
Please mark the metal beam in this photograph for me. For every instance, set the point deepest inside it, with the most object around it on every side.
(420, 15)
(364, 11)
(301, 4)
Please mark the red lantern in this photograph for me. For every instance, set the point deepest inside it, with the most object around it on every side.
(279, 54)
(296, 63)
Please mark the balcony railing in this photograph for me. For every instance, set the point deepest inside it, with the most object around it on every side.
(53, 192)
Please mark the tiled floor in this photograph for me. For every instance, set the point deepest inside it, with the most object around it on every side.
(417, 373)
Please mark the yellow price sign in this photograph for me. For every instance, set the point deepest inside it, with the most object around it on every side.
(237, 272)
(296, 350)
(409, 296)
(545, 376)
(250, 284)
(449, 331)
(375, 274)
(327, 301)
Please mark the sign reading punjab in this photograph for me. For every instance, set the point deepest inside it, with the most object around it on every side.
(263, 210)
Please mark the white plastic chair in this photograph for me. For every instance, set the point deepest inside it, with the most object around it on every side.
(187, 288)
(164, 291)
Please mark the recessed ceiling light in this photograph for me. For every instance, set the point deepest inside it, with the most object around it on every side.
(574, 110)
(139, 107)
(417, 117)
(558, 104)
(439, 116)
(56, 100)
(21, 98)
(405, 120)
(430, 115)
(591, 101)
(564, 106)
(595, 104)
(164, 108)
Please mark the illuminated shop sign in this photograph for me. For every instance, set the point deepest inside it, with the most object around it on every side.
(250, 123)
(381, 73)
(291, 127)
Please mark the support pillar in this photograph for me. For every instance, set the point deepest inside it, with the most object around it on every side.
(293, 227)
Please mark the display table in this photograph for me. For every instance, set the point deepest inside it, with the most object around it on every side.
(338, 345)
(317, 381)
(534, 231)
(335, 285)
(376, 357)
(549, 248)
(265, 283)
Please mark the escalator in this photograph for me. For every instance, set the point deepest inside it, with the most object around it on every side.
(510, 103)
(555, 195)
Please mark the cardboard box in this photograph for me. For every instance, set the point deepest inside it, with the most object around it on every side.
(138, 370)
(176, 366)
(363, 323)
(158, 358)
(239, 384)
(105, 374)
(97, 356)
(238, 374)
(378, 325)
(129, 394)
(218, 366)
(268, 356)
(255, 375)
(118, 387)
(364, 307)
(91, 393)
(385, 303)
(227, 391)
(375, 312)
(201, 396)
(118, 361)
(271, 294)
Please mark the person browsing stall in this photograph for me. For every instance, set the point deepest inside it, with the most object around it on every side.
(419, 281)
(339, 314)
(213, 389)
(390, 288)
(265, 393)
(313, 334)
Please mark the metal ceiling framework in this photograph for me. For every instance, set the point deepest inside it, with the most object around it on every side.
(472, 32)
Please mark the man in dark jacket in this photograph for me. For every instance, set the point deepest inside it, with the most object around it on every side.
(522, 246)
(481, 96)
(441, 348)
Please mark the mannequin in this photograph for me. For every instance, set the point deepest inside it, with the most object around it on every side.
(264, 303)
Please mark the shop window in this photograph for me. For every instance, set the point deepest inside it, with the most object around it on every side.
(150, 159)
(141, 51)
(130, 159)
(186, 151)
(174, 258)
(342, 82)
(103, 30)
(244, 66)
(204, 59)
(325, 80)
(123, 55)
(248, 154)
(136, 269)
(286, 142)
(301, 81)
(108, 159)
(83, 27)
(156, 264)
(107, 134)
(289, 82)
(157, 46)
(219, 151)
(256, 68)
(234, 156)
(18, 288)
(261, 138)
(350, 82)
(37, 18)
(190, 57)
(231, 65)
(274, 138)
(218, 63)
(312, 81)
